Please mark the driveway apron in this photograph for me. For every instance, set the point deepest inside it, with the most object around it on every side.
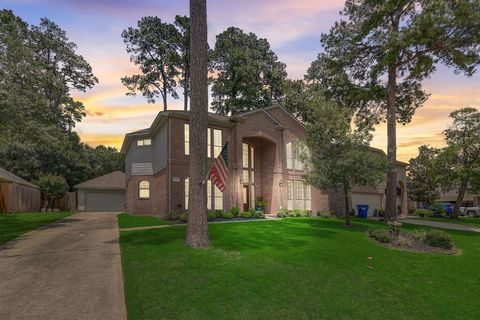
(70, 269)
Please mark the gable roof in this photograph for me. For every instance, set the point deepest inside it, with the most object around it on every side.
(111, 181)
(6, 176)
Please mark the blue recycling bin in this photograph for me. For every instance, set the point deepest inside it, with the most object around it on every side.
(362, 210)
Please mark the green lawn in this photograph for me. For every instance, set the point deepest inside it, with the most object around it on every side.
(14, 225)
(295, 269)
(475, 222)
(126, 220)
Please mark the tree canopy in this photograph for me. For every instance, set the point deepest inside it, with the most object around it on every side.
(338, 156)
(161, 51)
(39, 67)
(459, 162)
(384, 49)
(246, 73)
(422, 179)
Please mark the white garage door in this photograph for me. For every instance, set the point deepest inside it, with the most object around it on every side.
(374, 201)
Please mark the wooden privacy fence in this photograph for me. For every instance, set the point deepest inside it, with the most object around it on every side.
(18, 198)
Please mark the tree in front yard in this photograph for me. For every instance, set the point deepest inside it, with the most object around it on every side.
(339, 157)
(197, 227)
(389, 47)
(422, 182)
(52, 188)
(459, 162)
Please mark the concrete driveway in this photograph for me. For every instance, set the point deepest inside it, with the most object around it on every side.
(70, 269)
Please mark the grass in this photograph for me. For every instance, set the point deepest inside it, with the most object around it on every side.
(14, 225)
(126, 220)
(296, 268)
(475, 222)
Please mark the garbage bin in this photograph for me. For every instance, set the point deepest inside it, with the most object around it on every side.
(362, 210)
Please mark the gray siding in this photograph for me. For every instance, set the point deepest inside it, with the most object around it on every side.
(160, 149)
(138, 157)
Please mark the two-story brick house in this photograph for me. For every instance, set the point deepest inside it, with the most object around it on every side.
(263, 163)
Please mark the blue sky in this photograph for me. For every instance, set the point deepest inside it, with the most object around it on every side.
(292, 27)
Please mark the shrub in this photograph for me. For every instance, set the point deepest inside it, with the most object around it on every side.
(439, 239)
(246, 214)
(211, 216)
(381, 213)
(52, 187)
(219, 213)
(300, 213)
(423, 212)
(282, 213)
(259, 214)
(394, 227)
(227, 215)
(183, 217)
(235, 211)
(311, 214)
(438, 209)
(292, 214)
(324, 214)
(173, 216)
(381, 235)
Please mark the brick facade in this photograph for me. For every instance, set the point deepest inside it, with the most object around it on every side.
(267, 131)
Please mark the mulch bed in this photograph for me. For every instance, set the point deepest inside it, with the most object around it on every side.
(408, 242)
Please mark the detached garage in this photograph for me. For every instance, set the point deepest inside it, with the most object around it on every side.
(373, 200)
(103, 194)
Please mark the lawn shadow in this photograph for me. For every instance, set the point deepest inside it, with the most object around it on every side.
(285, 234)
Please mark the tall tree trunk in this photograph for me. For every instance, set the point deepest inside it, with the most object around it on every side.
(391, 201)
(186, 88)
(164, 96)
(197, 227)
(461, 194)
(347, 206)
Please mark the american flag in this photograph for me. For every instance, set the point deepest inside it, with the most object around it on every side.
(219, 172)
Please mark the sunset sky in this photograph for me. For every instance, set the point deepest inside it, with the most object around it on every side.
(292, 27)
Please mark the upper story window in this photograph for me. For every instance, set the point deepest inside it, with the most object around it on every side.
(144, 142)
(186, 134)
(293, 151)
(144, 189)
(214, 141)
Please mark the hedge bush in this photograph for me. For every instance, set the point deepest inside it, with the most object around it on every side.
(381, 235)
(235, 211)
(211, 216)
(282, 213)
(246, 214)
(259, 214)
(183, 217)
(227, 215)
(438, 238)
(423, 212)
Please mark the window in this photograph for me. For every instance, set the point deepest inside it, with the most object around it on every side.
(144, 190)
(289, 150)
(293, 151)
(308, 197)
(209, 143)
(214, 135)
(298, 195)
(290, 195)
(187, 192)
(217, 142)
(186, 133)
(214, 195)
(144, 142)
(218, 198)
(209, 195)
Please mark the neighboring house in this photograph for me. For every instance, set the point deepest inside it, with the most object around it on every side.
(469, 200)
(102, 194)
(263, 162)
(17, 195)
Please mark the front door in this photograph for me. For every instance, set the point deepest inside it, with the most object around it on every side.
(246, 198)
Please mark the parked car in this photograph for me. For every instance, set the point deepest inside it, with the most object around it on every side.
(448, 207)
(470, 211)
